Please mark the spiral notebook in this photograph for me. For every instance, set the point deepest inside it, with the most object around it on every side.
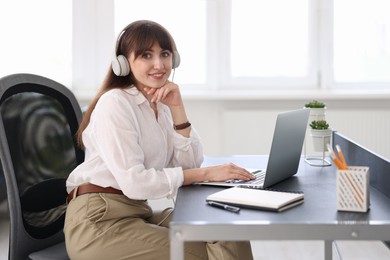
(252, 197)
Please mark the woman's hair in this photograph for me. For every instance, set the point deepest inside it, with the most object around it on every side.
(137, 37)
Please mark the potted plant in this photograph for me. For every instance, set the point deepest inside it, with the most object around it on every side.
(317, 110)
(321, 134)
(315, 104)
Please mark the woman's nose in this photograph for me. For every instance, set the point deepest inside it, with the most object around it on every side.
(158, 63)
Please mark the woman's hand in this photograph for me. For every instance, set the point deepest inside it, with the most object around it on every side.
(169, 94)
(222, 172)
(227, 171)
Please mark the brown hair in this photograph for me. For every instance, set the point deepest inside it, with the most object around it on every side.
(137, 37)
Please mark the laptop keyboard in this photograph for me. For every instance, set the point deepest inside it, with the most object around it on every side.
(260, 175)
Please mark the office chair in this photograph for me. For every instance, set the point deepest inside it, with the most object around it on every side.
(3, 195)
(38, 121)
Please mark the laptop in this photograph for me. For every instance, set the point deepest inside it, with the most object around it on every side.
(285, 154)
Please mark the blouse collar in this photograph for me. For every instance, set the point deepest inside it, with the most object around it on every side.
(133, 91)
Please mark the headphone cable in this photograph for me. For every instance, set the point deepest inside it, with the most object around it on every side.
(173, 75)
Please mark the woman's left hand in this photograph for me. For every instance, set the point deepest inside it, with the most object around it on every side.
(169, 94)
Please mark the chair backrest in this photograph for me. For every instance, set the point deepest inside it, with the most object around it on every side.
(3, 188)
(38, 122)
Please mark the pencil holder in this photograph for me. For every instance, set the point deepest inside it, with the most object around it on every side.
(353, 189)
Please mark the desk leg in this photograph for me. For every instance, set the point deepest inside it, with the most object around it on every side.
(176, 246)
(328, 250)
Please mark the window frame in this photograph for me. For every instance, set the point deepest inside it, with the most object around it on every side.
(93, 33)
(227, 81)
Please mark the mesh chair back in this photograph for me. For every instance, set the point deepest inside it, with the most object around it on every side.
(38, 122)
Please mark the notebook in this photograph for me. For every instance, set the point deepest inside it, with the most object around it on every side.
(285, 153)
(258, 198)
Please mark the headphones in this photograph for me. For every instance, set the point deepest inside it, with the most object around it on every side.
(120, 65)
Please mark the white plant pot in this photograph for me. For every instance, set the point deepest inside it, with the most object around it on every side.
(316, 114)
(320, 139)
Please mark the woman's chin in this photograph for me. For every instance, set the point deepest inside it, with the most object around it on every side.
(157, 84)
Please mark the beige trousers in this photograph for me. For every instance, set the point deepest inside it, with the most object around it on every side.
(111, 226)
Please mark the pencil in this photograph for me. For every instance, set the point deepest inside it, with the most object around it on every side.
(341, 155)
(335, 159)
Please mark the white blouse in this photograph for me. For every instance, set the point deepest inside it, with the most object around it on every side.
(128, 149)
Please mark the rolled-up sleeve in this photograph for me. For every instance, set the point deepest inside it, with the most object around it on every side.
(188, 152)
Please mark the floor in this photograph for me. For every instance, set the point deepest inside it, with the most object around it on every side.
(265, 250)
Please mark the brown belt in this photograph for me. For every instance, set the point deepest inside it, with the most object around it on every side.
(91, 188)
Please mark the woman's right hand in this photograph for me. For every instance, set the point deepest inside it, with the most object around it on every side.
(228, 171)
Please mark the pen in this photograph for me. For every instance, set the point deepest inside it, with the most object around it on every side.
(224, 206)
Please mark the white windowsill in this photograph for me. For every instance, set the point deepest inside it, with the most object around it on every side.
(348, 94)
(247, 95)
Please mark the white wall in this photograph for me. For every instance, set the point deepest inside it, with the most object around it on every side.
(233, 126)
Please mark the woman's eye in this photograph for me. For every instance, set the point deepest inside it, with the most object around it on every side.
(146, 55)
(166, 54)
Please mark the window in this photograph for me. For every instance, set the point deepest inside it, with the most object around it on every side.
(36, 37)
(223, 44)
(361, 41)
(271, 43)
(247, 44)
(185, 20)
(269, 38)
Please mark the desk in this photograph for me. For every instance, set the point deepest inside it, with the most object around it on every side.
(316, 219)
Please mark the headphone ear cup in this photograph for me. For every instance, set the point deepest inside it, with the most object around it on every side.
(175, 60)
(120, 66)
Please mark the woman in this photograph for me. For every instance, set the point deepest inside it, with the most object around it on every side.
(139, 145)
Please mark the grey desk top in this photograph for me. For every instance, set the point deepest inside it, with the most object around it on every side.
(319, 207)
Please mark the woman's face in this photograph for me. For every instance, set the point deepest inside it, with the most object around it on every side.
(152, 68)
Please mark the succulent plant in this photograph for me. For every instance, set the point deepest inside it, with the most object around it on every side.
(315, 104)
(319, 124)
